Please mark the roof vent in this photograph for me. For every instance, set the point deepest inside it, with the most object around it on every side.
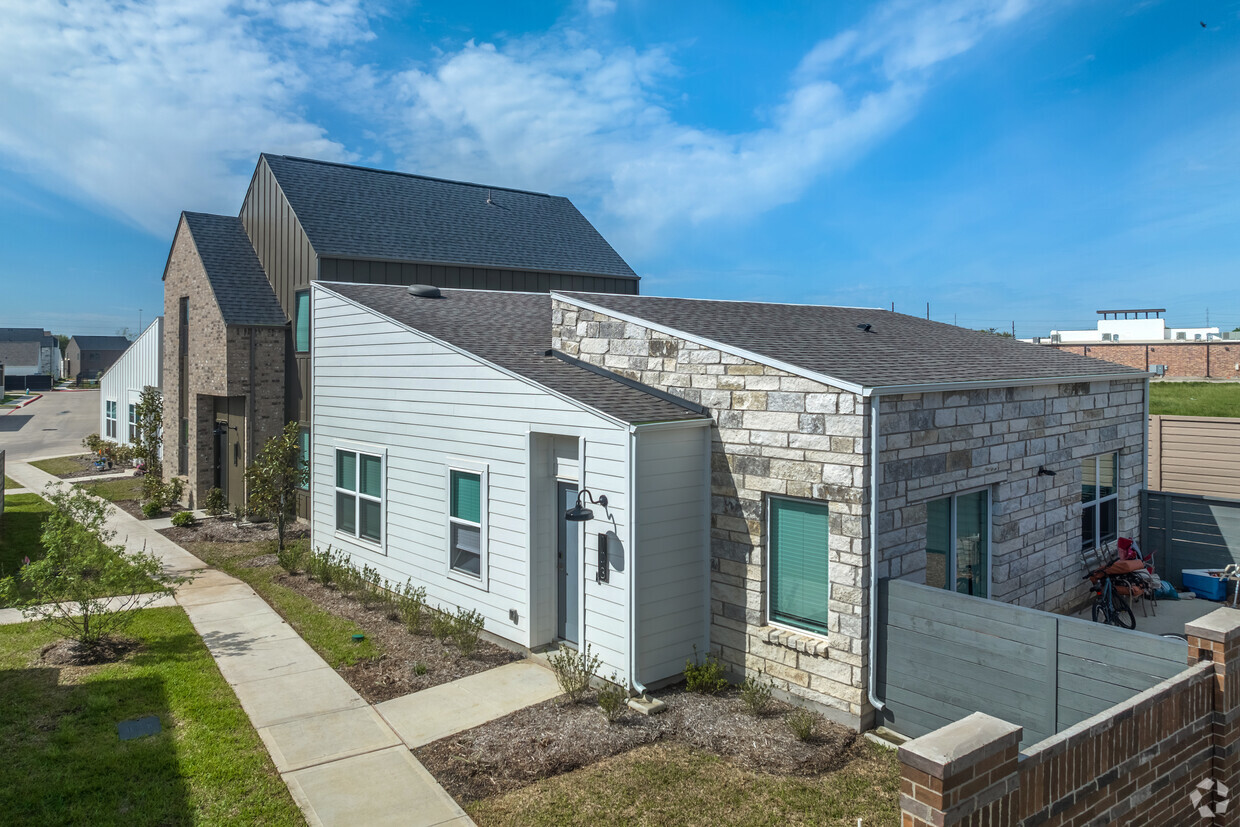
(425, 291)
(865, 328)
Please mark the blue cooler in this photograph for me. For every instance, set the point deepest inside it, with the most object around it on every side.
(1205, 585)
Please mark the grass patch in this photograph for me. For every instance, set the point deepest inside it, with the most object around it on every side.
(9, 482)
(20, 529)
(115, 491)
(65, 765)
(1195, 398)
(329, 635)
(675, 784)
(60, 465)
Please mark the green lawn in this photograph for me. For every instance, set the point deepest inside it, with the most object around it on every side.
(9, 482)
(64, 763)
(60, 465)
(675, 784)
(327, 634)
(124, 488)
(1195, 398)
(20, 528)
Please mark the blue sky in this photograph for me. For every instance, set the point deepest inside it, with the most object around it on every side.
(1005, 161)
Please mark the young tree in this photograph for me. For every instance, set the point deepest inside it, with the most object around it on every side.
(83, 587)
(275, 477)
(148, 445)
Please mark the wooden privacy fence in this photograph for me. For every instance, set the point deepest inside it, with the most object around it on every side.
(1195, 455)
(1187, 531)
(943, 656)
(1, 485)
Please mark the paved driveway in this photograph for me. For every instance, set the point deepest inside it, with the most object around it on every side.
(50, 427)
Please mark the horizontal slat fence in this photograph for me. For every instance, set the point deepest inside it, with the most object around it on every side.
(1195, 455)
(1187, 531)
(942, 656)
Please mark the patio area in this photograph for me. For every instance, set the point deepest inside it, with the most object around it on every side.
(1171, 614)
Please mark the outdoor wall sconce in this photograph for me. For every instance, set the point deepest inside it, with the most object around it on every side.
(1043, 471)
(579, 513)
(602, 572)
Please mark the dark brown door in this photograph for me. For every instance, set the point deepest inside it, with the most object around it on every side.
(230, 459)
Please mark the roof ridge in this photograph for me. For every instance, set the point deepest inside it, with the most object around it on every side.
(728, 301)
(410, 175)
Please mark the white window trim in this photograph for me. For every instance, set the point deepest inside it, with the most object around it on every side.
(357, 536)
(766, 519)
(484, 497)
(990, 518)
(109, 419)
(131, 430)
(1098, 501)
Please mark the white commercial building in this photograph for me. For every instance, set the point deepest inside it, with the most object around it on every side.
(120, 389)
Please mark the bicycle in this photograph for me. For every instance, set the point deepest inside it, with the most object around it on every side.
(1110, 607)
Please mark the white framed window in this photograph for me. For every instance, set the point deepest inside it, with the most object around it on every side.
(133, 422)
(958, 543)
(1099, 500)
(359, 494)
(798, 563)
(109, 419)
(467, 523)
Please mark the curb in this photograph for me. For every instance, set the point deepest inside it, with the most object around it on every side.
(23, 404)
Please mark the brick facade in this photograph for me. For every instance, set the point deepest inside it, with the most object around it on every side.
(779, 434)
(1184, 360)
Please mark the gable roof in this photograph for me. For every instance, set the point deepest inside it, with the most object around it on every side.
(897, 352)
(356, 212)
(513, 331)
(21, 334)
(241, 288)
(100, 342)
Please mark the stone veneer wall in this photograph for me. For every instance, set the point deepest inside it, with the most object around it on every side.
(937, 444)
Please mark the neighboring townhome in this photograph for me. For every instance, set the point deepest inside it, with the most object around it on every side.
(87, 357)
(29, 351)
(237, 289)
(120, 388)
(454, 435)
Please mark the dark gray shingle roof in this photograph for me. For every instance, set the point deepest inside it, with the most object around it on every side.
(513, 330)
(354, 212)
(898, 350)
(101, 342)
(241, 288)
(21, 334)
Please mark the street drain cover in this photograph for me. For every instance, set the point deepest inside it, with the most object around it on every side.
(139, 727)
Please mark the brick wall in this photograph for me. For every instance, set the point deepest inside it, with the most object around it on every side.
(1135, 764)
(1191, 360)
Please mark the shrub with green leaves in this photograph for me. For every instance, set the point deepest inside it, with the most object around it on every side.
(756, 693)
(705, 677)
(152, 508)
(613, 699)
(83, 587)
(574, 669)
(215, 504)
(803, 723)
(466, 630)
(291, 556)
(183, 519)
(442, 625)
(411, 606)
(275, 478)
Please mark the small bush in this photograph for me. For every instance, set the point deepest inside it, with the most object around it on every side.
(756, 694)
(320, 566)
(238, 514)
(93, 443)
(291, 556)
(170, 494)
(215, 504)
(183, 519)
(573, 670)
(419, 668)
(151, 508)
(705, 677)
(466, 628)
(613, 699)
(803, 723)
(442, 625)
(411, 605)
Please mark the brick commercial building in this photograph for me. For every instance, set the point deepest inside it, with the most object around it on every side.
(1218, 359)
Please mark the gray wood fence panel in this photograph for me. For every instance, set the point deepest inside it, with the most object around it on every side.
(942, 656)
(1188, 531)
(1, 484)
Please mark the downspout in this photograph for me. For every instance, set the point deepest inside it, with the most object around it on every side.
(632, 538)
(874, 458)
(1145, 443)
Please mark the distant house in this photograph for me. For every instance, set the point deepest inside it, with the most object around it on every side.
(87, 357)
(29, 351)
(121, 386)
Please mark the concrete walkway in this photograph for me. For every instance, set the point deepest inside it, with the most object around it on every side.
(11, 616)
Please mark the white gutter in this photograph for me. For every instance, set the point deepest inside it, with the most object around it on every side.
(874, 475)
(981, 384)
(632, 554)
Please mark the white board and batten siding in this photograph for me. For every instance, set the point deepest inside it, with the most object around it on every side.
(672, 489)
(383, 388)
(142, 364)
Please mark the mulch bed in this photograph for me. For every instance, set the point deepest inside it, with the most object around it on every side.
(224, 530)
(556, 737)
(71, 653)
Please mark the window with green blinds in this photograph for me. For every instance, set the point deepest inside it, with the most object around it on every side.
(359, 494)
(371, 476)
(467, 496)
(301, 322)
(799, 563)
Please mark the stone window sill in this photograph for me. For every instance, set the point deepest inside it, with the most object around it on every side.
(805, 644)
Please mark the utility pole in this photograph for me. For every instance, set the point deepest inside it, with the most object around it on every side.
(1013, 329)
(139, 321)
(927, 311)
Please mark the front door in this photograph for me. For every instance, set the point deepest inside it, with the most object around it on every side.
(567, 579)
(221, 456)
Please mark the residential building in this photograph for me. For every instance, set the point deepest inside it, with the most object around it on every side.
(29, 351)
(121, 386)
(87, 357)
(1131, 326)
(237, 288)
(762, 465)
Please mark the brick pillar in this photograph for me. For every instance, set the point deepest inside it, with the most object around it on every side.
(963, 773)
(1216, 638)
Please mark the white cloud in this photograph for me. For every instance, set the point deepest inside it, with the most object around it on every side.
(146, 108)
(600, 8)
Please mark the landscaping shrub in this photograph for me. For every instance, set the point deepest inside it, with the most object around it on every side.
(151, 508)
(291, 556)
(275, 478)
(419, 668)
(705, 677)
(573, 670)
(803, 723)
(756, 694)
(442, 625)
(183, 519)
(466, 628)
(613, 699)
(170, 493)
(93, 443)
(411, 605)
(215, 504)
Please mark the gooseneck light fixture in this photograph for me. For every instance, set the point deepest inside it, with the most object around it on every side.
(579, 513)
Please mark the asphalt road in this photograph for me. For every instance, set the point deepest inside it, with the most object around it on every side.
(50, 427)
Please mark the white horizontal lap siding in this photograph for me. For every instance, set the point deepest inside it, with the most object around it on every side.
(429, 407)
(140, 365)
(673, 502)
